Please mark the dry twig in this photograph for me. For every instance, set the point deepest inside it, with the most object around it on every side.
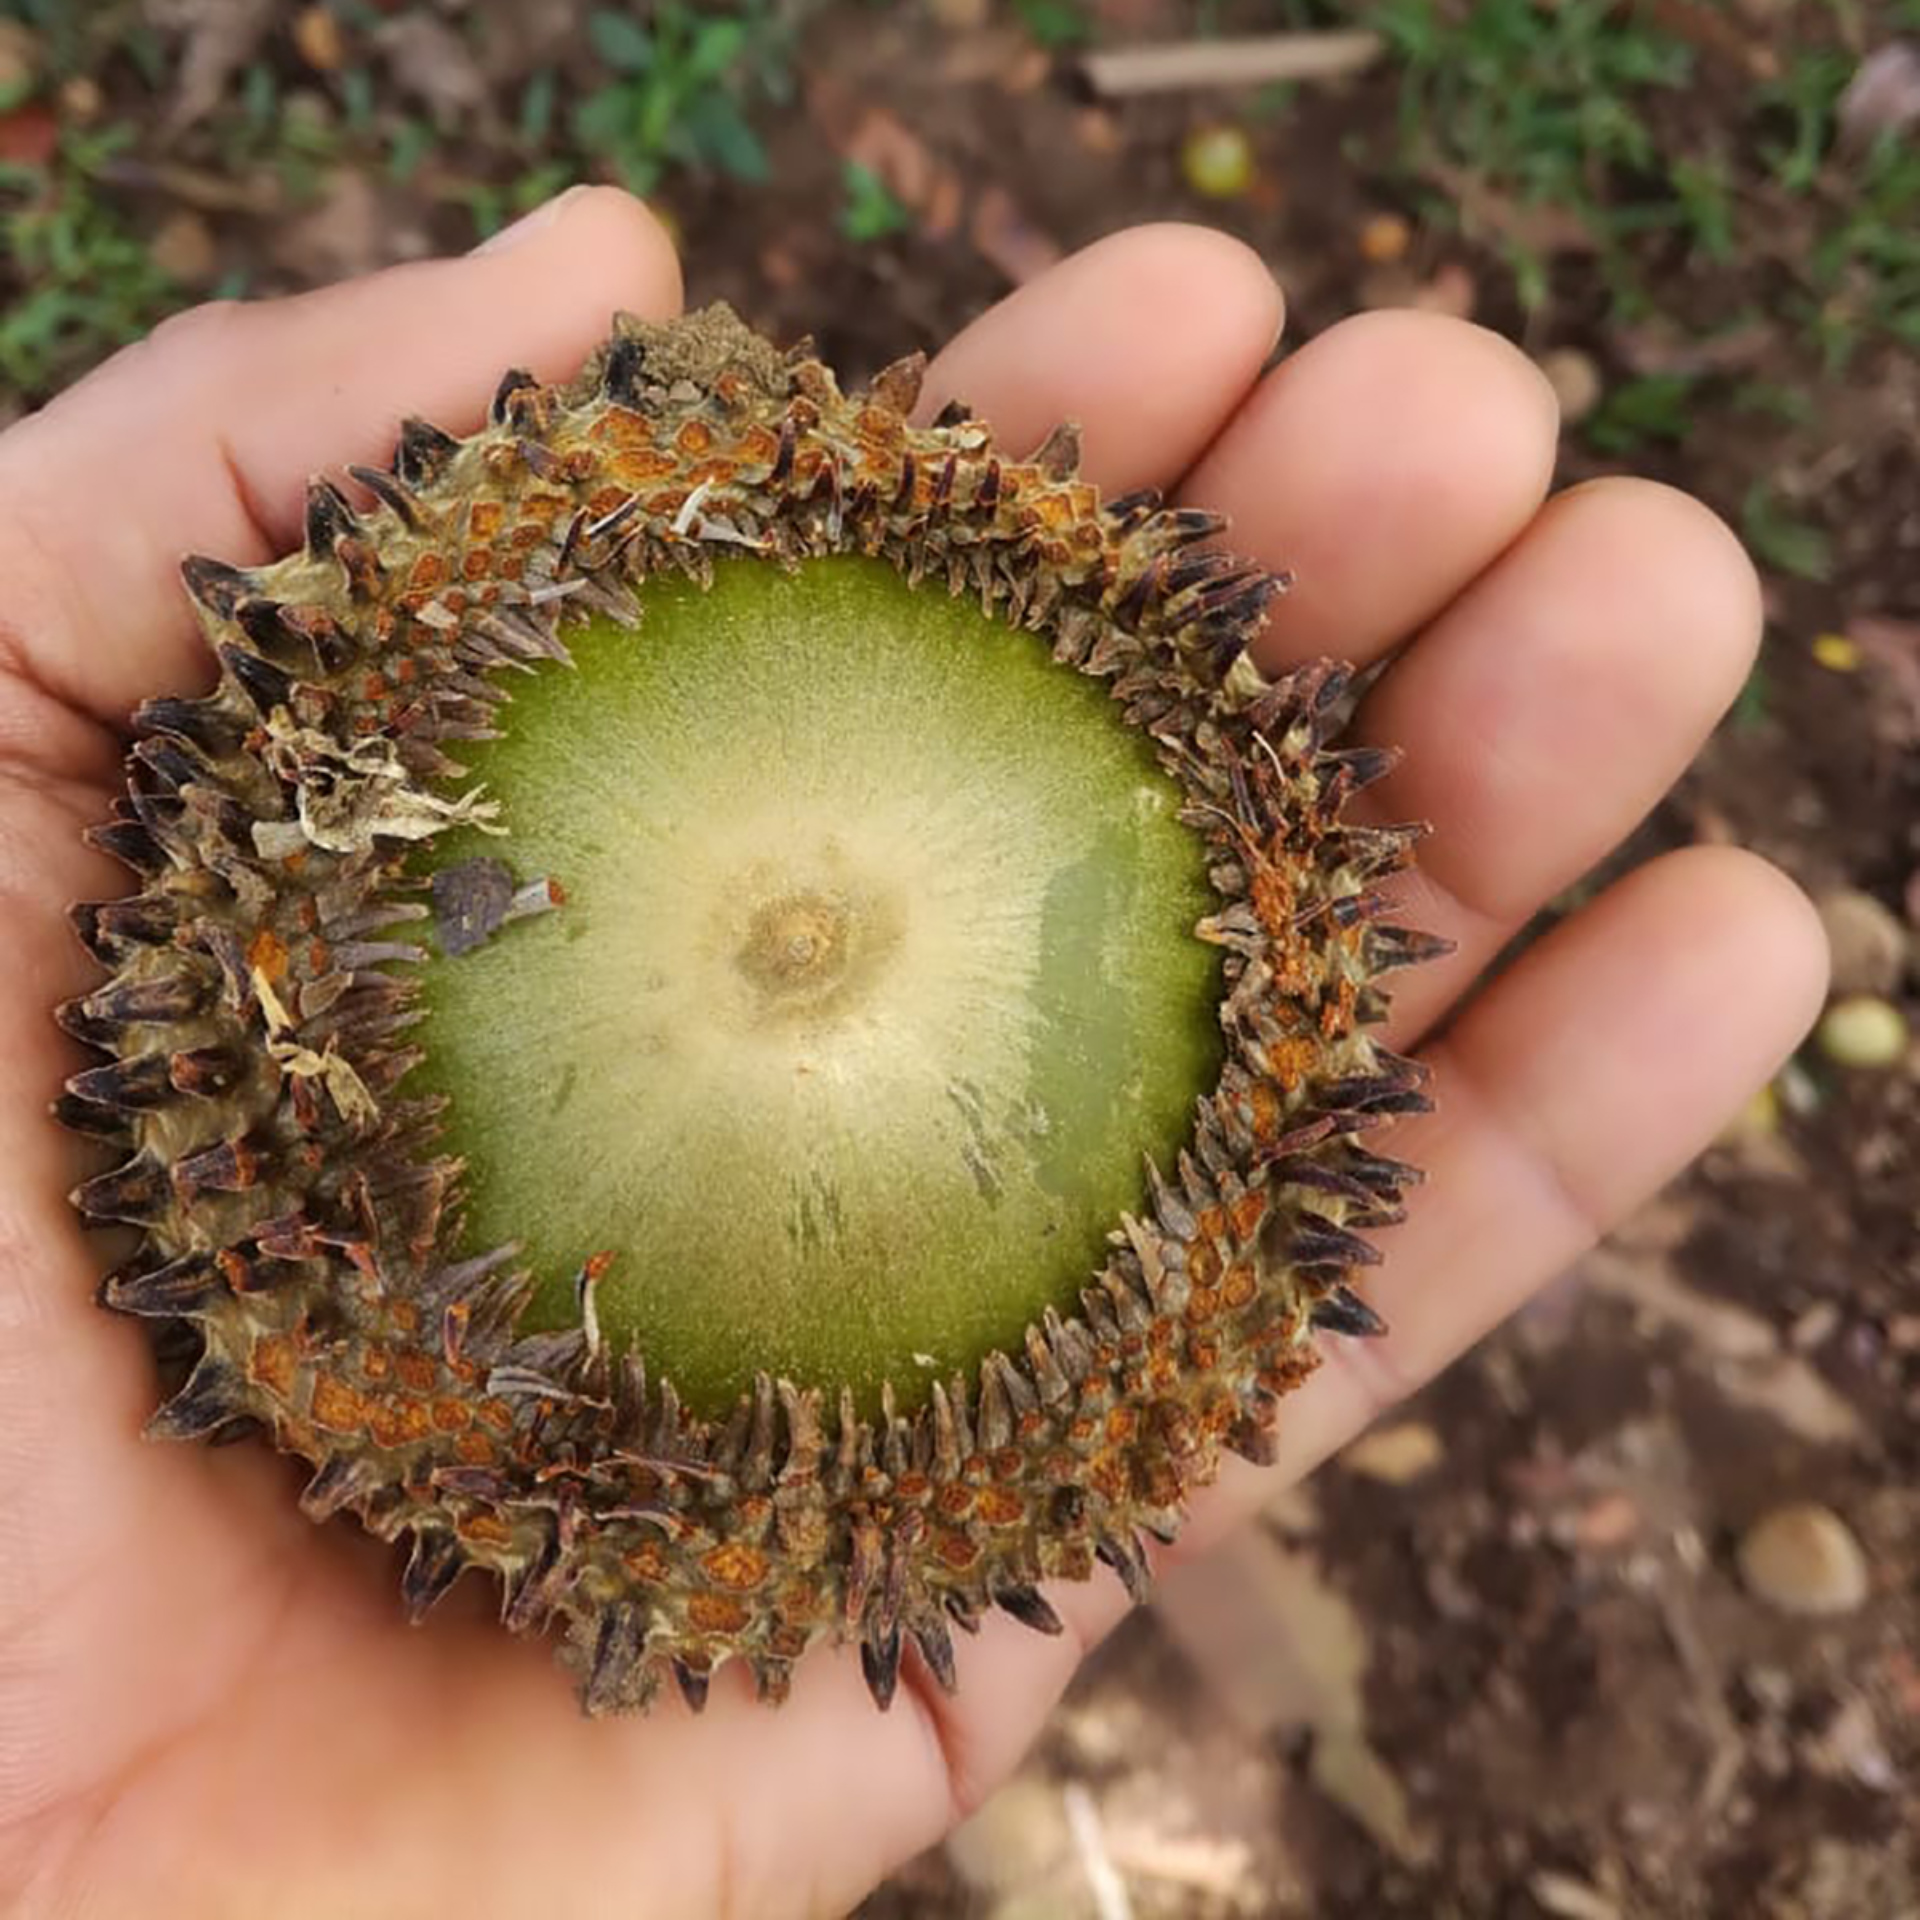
(1252, 62)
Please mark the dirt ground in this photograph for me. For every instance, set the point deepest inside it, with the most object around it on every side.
(1525, 1651)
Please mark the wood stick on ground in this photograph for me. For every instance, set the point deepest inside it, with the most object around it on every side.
(1252, 62)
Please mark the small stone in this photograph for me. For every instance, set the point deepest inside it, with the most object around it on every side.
(1804, 1559)
(1385, 238)
(1569, 1899)
(1863, 1031)
(1798, 1091)
(317, 38)
(1451, 291)
(1217, 162)
(1395, 1454)
(1866, 939)
(183, 249)
(1814, 1327)
(1608, 1522)
(81, 100)
(1849, 1747)
(1575, 379)
(1757, 1119)
(1771, 1687)
(1018, 1837)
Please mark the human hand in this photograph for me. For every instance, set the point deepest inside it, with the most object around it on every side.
(207, 1706)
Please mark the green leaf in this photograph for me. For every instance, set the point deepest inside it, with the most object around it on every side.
(1054, 23)
(1780, 541)
(412, 142)
(870, 211)
(717, 45)
(621, 41)
(603, 121)
(719, 135)
(536, 108)
(1658, 406)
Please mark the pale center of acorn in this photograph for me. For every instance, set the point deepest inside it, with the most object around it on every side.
(804, 952)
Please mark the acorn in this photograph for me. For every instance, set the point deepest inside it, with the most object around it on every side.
(745, 1015)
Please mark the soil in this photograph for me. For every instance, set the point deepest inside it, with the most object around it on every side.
(1501, 1660)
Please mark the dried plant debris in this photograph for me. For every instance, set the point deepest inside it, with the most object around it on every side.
(745, 1014)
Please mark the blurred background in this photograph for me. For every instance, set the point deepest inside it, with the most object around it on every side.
(1622, 1617)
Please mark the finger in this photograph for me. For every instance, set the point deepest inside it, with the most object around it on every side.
(1549, 708)
(202, 437)
(1385, 464)
(1588, 1076)
(1148, 340)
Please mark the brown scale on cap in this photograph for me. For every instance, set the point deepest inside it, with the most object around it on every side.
(297, 1214)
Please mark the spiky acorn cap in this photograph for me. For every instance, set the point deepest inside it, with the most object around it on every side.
(316, 858)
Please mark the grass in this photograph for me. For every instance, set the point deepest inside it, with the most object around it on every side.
(1566, 136)
(683, 84)
(87, 283)
(1579, 120)
(672, 87)
(1542, 110)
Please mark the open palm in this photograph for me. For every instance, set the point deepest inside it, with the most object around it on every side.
(209, 1707)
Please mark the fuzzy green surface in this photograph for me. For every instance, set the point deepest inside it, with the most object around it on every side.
(874, 985)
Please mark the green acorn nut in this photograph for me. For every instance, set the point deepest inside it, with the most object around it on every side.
(745, 1014)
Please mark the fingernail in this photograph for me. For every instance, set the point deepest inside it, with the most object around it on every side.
(529, 224)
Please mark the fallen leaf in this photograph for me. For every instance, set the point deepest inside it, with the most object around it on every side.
(1882, 97)
(1006, 239)
(433, 63)
(893, 153)
(909, 170)
(1098, 131)
(29, 135)
(1658, 347)
(183, 249)
(1028, 73)
(1451, 291)
(988, 57)
(1537, 226)
(195, 186)
(1893, 647)
(221, 36)
(342, 235)
(780, 265)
